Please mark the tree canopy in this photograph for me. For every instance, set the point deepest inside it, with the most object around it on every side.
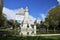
(53, 17)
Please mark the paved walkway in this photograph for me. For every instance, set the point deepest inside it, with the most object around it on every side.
(46, 35)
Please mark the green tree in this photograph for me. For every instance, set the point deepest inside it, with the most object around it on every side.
(1, 7)
(13, 24)
(2, 20)
(46, 25)
(53, 17)
(2, 17)
(37, 24)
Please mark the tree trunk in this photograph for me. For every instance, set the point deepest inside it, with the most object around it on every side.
(1, 6)
(47, 29)
(54, 30)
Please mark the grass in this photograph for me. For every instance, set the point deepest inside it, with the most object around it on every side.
(49, 32)
(30, 38)
(9, 31)
(26, 37)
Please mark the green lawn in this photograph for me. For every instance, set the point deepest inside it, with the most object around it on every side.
(48, 32)
(30, 38)
(26, 37)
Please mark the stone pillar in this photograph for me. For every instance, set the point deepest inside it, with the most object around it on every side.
(25, 19)
(34, 29)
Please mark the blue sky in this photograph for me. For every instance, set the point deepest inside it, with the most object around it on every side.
(36, 7)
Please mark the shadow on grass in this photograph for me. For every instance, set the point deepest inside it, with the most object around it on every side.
(29, 38)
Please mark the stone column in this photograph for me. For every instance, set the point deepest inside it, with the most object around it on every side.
(25, 18)
(34, 29)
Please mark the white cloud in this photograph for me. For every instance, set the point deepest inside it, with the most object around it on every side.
(12, 13)
(58, 1)
(43, 16)
(32, 19)
(9, 13)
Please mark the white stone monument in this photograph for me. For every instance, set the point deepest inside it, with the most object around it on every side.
(26, 28)
(26, 22)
